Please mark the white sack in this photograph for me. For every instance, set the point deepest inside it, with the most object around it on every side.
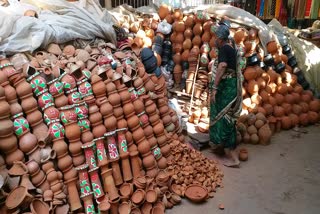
(59, 22)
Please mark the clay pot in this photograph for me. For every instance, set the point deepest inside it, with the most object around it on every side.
(197, 29)
(304, 119)
(314, 105)
(196, 41)
(243, 154)
(188, 33)
(264, 134)
(313, 117)
(285, 122)
(272, 47)
(163, 11)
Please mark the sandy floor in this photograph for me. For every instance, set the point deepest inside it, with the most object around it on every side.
(282, 178)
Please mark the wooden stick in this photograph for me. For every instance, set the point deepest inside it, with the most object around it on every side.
(194, 80)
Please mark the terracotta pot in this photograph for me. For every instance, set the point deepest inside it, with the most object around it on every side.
(243, 155)
(85, 185)
(88, 203)
(95, 182)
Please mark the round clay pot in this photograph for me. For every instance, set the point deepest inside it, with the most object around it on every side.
(197, 29)
(188, 33)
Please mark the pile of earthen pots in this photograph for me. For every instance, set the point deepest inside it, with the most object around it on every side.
(86, 130)
(273, 85)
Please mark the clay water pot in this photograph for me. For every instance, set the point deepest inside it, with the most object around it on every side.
(243, 155)
(163, 11)
(38, 207)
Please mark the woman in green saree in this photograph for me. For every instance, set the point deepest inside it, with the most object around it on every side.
(226, 99)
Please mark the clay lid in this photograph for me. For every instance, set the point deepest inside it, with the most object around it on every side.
(196, 193)
(138, 196)
(18, 169)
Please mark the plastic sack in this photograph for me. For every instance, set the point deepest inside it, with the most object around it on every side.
(164, 27)
(59, 21)
(242, 17)
(172, 3)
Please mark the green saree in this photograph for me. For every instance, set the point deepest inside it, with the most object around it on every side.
(226, 109)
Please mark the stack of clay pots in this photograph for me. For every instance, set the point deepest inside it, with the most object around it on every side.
(254, 129)
(95, 129)
(276, 92)
(143, 31)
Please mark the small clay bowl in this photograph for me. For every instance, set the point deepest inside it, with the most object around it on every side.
(135, 211)
(39, 207)
(196, 193)
(138, 197)
(146, 207)
(126, 189)
(151, 196)
(124, 208)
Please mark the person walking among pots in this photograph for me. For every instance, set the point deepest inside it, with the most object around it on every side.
(226, 98)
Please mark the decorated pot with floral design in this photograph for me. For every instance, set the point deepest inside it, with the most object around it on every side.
(84, 182)
(38, 83)
(96, 183)
(44, 98)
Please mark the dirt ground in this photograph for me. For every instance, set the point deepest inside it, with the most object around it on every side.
(281, 178)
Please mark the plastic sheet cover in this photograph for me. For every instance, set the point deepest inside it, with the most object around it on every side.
(58, 21)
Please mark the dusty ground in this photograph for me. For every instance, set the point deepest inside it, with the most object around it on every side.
(282, 178)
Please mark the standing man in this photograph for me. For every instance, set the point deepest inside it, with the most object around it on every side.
(226, 99)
